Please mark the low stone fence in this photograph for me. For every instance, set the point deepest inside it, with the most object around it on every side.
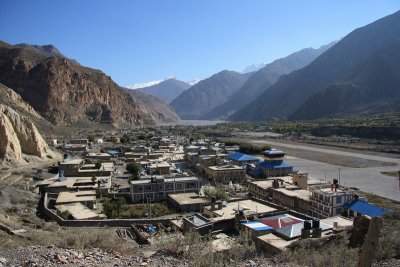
(100, 222)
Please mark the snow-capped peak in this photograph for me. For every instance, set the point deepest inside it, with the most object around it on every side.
(194, 81)
(253, 67)
(147, 84)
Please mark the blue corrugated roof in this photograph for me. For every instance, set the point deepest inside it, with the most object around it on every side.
(242, 157)
(274, 165)
(366, 208)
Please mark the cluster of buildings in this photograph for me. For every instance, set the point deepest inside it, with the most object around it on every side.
(280, 205)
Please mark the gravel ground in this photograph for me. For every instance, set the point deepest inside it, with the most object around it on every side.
(53, 256)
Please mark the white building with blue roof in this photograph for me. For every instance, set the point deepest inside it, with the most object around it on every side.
(273, 165)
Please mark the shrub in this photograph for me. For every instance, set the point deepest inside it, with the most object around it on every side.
(218, 193)
(134, 168)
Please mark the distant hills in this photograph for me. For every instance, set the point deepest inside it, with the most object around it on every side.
(166, 90)
(358, 75)
(160, 110)
(66, 93)
(207, 94)
(262, 80)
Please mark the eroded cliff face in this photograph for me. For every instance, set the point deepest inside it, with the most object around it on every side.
(64, 92)
(18, 135)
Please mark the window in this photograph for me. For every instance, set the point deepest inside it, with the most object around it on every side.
(147, 187)
(338, 211)
(321, 197)
(191, 185)
(338, 200)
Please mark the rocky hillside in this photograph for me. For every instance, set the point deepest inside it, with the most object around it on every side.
(373, 87)
(18, 135)
(208, 94)
(263, 79)
(64, 92)
(10, 98)
(335, 69)
(166, 90)
(161, 111)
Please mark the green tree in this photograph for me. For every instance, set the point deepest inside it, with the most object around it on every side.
(97, 165)
(125, 139)
(134, 169)
(90, 138)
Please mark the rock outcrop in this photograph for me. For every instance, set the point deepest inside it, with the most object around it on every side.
(18, 135)
(66, 93)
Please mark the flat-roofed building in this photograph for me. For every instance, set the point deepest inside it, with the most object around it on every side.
(187, 202)
(87, 198)
(99, 156)
(329, 201)
(273, 244)
(225, 173)
(71, 166)
(260, 189)
(158, 187)
(78, 168)
(198, 223)
(298, 200)
(229, 211)
(78, 211)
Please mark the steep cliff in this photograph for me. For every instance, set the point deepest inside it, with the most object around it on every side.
(64, 92)
(19, 135)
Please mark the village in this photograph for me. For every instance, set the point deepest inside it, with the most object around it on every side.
(158, 184)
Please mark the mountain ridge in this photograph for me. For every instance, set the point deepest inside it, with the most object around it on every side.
(263, 79)
(207, 94)
(287, 95)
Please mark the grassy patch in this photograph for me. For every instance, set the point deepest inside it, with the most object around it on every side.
(393, 174)
(118, 208)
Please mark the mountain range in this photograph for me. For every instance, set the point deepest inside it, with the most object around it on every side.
(262, 79)
(208, 94)
(357, 75)
(166, 90)
(64, 92)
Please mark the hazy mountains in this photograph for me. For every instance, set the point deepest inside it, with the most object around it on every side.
(262, 80)
(160, 110)
(64, 92)
(208, 94)
(357, 75)
(166, 90)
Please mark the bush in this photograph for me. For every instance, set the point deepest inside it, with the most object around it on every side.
(134, 168)
(97, 165)
(66, 215)
(200, 251)
(125, 139)
(218, 193)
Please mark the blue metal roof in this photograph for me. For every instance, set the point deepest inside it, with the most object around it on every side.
(257, 226)
(275, 165)
(242, 157)
(366, 208)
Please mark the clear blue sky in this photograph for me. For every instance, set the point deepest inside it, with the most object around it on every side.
(138, 41)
